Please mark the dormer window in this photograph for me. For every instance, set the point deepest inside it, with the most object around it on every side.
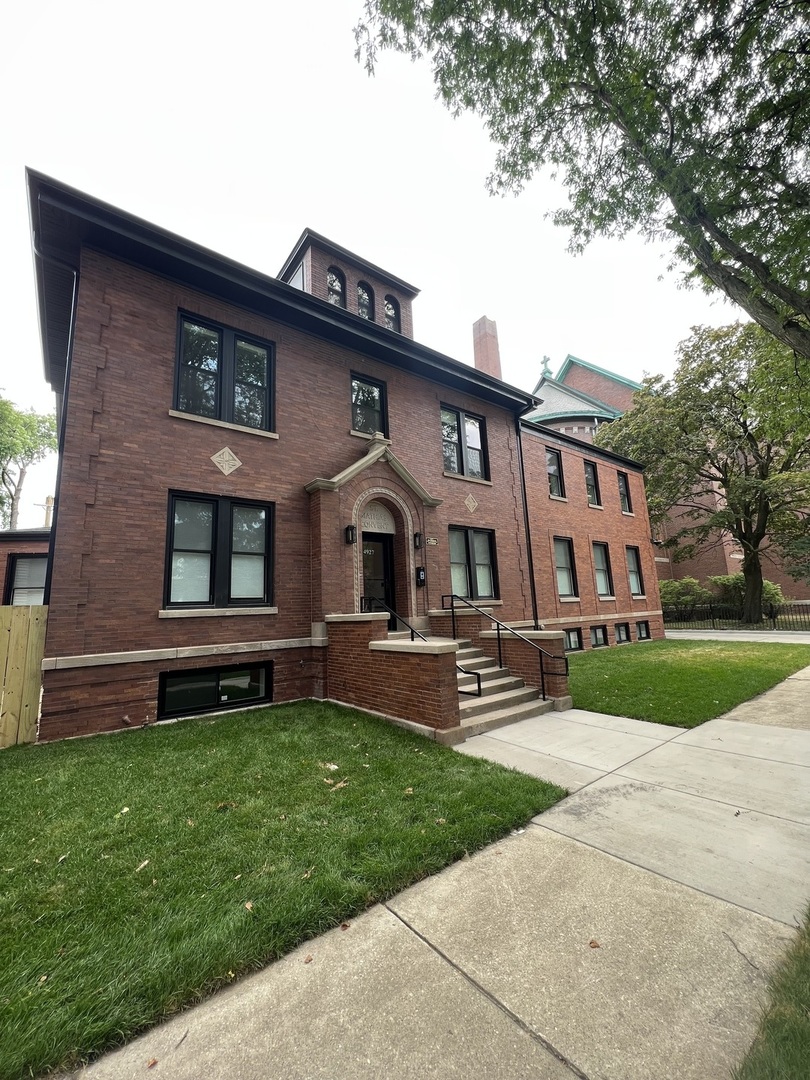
(365, 301)
(392, 314)
(335, 287)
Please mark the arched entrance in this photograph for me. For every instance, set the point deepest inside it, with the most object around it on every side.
(377, 535)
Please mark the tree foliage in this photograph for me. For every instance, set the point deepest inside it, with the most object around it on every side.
(675, 117)
(730, 589)
(726, 444)
(25, 438)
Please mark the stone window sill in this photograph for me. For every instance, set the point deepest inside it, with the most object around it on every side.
(595, 506)
(628, 513)
(469, 479)
(202, 613)
(610, 599)
(222, 424)
(569, 600)
(558, 498)
(365, 435)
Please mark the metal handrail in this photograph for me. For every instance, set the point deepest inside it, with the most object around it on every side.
(501, 625)
(367, 600)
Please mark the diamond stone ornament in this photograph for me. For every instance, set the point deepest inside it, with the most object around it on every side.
(226, 460)
(471, 504)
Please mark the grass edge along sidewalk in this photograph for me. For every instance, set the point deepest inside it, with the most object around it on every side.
(680, 683)
(143, 871)
(781, 1049)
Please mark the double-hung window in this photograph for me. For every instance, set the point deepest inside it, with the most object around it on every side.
(464, 444)
(220, 552)
(26, 584)
(564, 567)
(634, 571)
(556, 485)
(472, 563)
(601, 565)
(224, 375)
(592, 484)
(624, 493)
(369, 413)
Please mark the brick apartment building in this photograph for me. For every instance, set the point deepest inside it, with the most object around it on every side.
(243, 459)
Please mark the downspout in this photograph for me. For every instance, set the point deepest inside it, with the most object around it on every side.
(62, 419)
(526, 522)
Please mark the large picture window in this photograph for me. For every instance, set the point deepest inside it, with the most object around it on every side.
(224, 375)
(464, 444)
(564, 567)
(220, 552)
(369, 412)
(472, 563)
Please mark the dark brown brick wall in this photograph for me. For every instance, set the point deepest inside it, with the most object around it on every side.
(319, 262)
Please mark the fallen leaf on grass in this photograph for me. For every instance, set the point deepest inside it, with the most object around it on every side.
(307, 873)
(409, 791)
(594, 944)
(123, 810)
(329, 765)
(190, 822)
(43, 978)
(226, 806)
(339, 785)
(237, 877)
(441, 821)
(143, 864)
(62, 857)
(249, 905)
(326, 780)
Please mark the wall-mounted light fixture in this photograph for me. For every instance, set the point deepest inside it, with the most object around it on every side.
(350, 533)
(417, 541)
(658, 543)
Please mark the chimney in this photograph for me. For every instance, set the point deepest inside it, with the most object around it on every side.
(485, 347)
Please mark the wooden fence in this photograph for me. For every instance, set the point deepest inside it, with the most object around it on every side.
(22, 646)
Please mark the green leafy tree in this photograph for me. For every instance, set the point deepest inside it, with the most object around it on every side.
(725, 445)
(25, 438)
(673, 117)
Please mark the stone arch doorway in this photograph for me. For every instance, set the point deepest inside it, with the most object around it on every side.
(384, 570)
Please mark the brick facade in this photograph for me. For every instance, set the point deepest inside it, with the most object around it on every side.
(18, 542)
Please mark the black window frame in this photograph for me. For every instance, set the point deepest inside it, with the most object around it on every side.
(358, 376)
(221, 553)
(625, 501)
(625, 627)
(462, 415)
(11, 574)
(392, 318)
(571, 568)
(645, 636)
(607, 569)
(229, 336)
(597, 500)
(369, 313)
(336, 297)
(218, 670)
(599, 644)
(558, 476)
(638, 571)
(578, 638)
(469, 532)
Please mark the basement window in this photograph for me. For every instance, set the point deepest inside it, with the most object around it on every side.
(598, 636)
(573, 640)
(184, 693)
(643, 631)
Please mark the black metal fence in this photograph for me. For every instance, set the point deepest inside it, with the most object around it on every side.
(729, 617)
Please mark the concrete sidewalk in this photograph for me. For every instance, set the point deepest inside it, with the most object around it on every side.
(625, 934)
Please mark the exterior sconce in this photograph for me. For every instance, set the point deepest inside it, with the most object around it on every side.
(657, 543)
(417, 541)
(350, 533)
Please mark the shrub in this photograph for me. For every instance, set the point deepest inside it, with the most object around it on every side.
(730, 589)
(683, 593)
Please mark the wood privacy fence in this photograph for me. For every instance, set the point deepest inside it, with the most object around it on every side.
(22, 646)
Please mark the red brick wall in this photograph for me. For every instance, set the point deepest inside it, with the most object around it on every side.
(419, 687)
(583, 524)
(319, 263)
(601, 387)
(523, 660)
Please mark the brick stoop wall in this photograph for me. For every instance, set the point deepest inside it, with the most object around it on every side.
(410, 680)
(523, 660)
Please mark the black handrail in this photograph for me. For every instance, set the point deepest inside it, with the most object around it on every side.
(501, 625)
(365, 601)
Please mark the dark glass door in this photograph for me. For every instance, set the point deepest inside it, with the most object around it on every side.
(378, 570)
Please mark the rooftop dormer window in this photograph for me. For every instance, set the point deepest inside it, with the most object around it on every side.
(365, 301)
(335, 287)
(392, 320)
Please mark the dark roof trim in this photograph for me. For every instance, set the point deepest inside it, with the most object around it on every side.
(588, 449)
(310, 237)
(570, 360)
(41, 533)
(65, 220)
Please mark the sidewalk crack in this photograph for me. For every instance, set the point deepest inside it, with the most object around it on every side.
(747, 959)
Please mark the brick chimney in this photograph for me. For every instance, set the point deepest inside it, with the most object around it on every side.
(485, 347)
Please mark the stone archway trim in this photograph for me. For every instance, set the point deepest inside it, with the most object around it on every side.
(380, 450)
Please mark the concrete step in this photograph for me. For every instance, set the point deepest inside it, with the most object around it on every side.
(477, 663)
(487, 675)
(474, 706)
(469, 652)
(477, 725)
(503, 681)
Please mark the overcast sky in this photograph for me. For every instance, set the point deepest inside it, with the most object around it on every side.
(236, 125)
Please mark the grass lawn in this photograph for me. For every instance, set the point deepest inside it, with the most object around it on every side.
(781, 1050)
(682, 683)
(141, 871)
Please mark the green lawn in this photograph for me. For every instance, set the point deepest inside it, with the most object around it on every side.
(141, 871)
(682, 683)
(781, 1050)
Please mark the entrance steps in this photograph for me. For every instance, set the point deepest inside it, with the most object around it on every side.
(504, 698)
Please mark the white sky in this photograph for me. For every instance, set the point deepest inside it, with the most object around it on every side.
(236, 125)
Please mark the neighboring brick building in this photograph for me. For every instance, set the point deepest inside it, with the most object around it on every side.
(244, 458)
(23, 565)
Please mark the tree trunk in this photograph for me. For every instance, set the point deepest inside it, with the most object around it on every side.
(15, 498)
(752, 602)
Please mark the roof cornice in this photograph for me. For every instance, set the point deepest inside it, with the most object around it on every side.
(310, 238)
(570, 360)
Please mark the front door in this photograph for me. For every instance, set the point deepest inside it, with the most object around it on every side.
(378, 571)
